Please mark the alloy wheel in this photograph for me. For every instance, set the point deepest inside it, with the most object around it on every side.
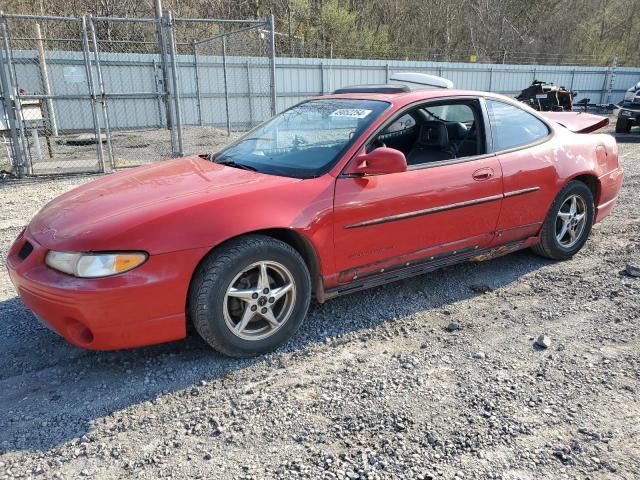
(259, 300)
(571, 221)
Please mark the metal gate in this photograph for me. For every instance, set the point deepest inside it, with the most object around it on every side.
(93, 94)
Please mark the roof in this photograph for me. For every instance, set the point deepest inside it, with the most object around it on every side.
(405, 98)
(388, 88)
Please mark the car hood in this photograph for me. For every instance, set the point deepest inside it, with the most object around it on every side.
(109, 212)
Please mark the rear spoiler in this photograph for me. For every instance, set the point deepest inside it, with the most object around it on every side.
(578, 122)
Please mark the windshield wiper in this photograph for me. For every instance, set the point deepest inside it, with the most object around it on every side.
(257, 138)
(231, 163)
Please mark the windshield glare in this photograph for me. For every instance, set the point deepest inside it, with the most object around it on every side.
(306, 140)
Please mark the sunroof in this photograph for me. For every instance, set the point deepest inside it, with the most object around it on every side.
(373, 89)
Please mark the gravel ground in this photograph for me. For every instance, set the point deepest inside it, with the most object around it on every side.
(434, 377)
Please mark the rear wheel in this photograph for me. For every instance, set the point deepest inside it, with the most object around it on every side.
(623, 125)
(250, 296)
(568, 223)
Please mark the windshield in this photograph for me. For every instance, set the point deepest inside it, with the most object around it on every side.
(304, 141)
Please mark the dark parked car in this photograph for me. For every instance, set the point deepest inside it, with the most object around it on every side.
(629, 113)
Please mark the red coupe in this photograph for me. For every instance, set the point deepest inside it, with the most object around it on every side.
(336, 194)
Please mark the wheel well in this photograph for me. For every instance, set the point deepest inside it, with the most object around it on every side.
(302, 246)
(290, 237)
(592, 182)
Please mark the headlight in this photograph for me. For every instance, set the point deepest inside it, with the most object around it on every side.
(93, 265)
(630, 95)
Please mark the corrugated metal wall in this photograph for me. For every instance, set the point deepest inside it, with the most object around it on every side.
(297, 79)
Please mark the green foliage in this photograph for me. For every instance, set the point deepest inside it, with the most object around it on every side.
(500, 31)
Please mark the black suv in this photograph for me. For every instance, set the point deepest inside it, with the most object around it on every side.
(629, 113)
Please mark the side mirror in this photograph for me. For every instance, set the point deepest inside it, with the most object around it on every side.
(380, 161)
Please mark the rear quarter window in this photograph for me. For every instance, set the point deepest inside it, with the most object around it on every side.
(513, 127)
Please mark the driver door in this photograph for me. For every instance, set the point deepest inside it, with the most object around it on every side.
(430, 212)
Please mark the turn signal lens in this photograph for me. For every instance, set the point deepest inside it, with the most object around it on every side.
(127, 261)
(94, 265)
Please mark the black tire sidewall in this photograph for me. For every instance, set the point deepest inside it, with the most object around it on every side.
(573, 188)
(271, 251)
(623, 125)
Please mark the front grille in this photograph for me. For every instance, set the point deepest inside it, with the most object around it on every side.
(25, 251)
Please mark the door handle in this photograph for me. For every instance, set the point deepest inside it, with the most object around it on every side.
(483, 174)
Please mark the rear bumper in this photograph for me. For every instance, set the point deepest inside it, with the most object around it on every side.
(610, 185)
(141, 307)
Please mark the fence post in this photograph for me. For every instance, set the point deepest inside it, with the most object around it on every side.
(321, 78)
(249, 94)
(490, 79)
(612, 80)
(9, 99)
(177, 107)
(573, 77)
(27, 165)
(160, 96)
(162, 50)
(92, 93)
(44, 75)
(196, 69)
(272, 62)
(226, 83)
(103, 97)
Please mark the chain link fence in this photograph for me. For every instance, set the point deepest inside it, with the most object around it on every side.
(93, 94)
(226, 76)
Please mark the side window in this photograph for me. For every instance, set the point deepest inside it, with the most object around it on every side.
(400, 126)
(452, 113)
(399, 134)
(436, 132)
(513, 127)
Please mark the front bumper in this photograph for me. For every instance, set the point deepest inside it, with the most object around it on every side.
(141, 307)
(631, 113)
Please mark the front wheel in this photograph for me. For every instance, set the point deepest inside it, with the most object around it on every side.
(250, 296)
(568, 223)
(623, 125)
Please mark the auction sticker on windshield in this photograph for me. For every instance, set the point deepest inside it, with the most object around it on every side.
(350, 112)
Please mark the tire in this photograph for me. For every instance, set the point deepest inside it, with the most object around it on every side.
(224, 304)
(623, 125)
(550, 245)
